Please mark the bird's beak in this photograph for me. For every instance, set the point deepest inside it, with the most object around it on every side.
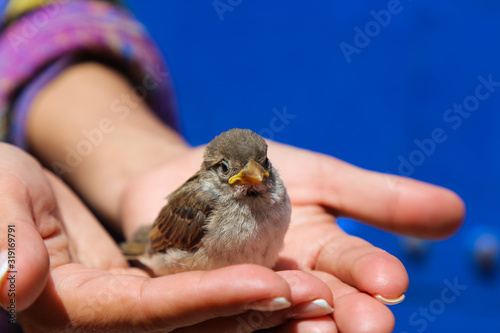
(252, 173)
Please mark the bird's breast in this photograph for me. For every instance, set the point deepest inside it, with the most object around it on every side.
(250, 230)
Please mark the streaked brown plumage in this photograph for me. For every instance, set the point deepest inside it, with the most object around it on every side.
(234, 210)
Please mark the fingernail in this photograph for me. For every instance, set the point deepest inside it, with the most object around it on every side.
(313, 309)
(389, 301)
(275, 304)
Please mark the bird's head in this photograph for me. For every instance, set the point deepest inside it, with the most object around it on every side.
(237, 162)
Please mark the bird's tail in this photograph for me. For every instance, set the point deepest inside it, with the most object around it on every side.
(139, 244)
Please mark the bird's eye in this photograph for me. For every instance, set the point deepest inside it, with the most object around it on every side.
(224, 167)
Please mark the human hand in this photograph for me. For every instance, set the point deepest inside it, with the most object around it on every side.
(322, 188)
(72, 276)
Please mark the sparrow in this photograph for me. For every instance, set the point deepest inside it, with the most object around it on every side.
(234, 210)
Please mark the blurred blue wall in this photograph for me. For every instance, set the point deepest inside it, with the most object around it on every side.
(406, 87)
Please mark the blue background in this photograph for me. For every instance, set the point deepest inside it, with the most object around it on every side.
(233, 68)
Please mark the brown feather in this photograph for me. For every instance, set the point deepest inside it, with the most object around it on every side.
(138, 245)
(181, 221)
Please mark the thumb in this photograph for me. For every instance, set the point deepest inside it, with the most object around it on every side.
(26, 198)
(23, 256)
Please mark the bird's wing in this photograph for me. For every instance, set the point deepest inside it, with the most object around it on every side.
(180, 223)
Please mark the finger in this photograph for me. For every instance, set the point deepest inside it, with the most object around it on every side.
(306, 287)
(301, 294)
(400, 204)
(26, 271)
(363, 266)
(87, 237)
(310, 298)
(330, 249)
(361, 313)
(24, 221)
(86, 298)
(251, 288)
(356, 311)
(390, 202)
(324, 324)
(263, 322)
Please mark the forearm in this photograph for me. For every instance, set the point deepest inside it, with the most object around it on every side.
(89, 126)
